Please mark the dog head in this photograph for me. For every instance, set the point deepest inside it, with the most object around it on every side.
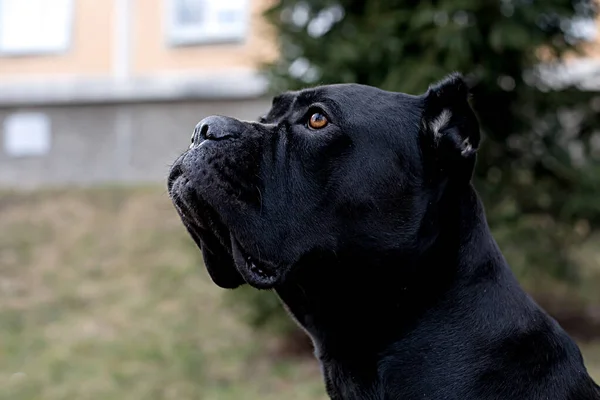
(328, 170)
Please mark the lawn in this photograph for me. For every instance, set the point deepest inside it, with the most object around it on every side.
(103, 296)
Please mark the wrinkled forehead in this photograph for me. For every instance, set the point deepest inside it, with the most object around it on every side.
(340, 98)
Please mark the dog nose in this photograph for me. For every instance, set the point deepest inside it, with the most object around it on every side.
(216, 128)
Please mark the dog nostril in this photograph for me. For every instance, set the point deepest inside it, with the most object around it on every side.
(200, 133)
(204, 133)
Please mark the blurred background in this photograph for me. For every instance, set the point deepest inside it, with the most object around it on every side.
(102, 293)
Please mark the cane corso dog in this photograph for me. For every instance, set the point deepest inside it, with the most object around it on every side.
(355, 205)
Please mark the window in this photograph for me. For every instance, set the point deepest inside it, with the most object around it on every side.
(26, 134)
(35, 26)
(206, 21)
(583, 29)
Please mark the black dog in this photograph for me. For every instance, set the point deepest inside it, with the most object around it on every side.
(356, 206)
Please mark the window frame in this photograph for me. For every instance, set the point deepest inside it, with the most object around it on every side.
(181, 36)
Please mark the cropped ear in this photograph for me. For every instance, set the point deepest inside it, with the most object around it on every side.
(448, 123)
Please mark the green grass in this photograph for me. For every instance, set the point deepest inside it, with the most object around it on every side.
(104, 296)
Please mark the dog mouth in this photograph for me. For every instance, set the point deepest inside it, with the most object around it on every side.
(255, 272)
(213, 236)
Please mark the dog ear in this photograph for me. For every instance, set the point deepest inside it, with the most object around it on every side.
(448, 121)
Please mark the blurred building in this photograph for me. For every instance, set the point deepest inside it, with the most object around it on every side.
(95, 91)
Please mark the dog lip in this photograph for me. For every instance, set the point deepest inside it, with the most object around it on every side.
(253, 266)
(254, 271)
(177, 195)
(258, 277)
(174, 174)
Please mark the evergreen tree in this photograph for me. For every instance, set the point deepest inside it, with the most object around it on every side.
(538, 166)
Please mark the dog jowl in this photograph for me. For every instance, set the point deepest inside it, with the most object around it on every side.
(355, 205)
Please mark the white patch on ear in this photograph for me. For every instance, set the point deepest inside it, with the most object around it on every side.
(467, 148)
(441, 120)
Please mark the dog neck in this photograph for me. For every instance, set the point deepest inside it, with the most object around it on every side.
(356, 317)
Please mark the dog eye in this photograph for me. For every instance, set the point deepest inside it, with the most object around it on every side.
(317, 121)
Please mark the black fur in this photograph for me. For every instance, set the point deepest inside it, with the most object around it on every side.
(372, 235)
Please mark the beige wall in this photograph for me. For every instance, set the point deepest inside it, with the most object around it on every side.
(89, 54)
(92, 52)
(152, 53)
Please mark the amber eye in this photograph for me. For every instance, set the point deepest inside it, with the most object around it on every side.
(317, 121)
